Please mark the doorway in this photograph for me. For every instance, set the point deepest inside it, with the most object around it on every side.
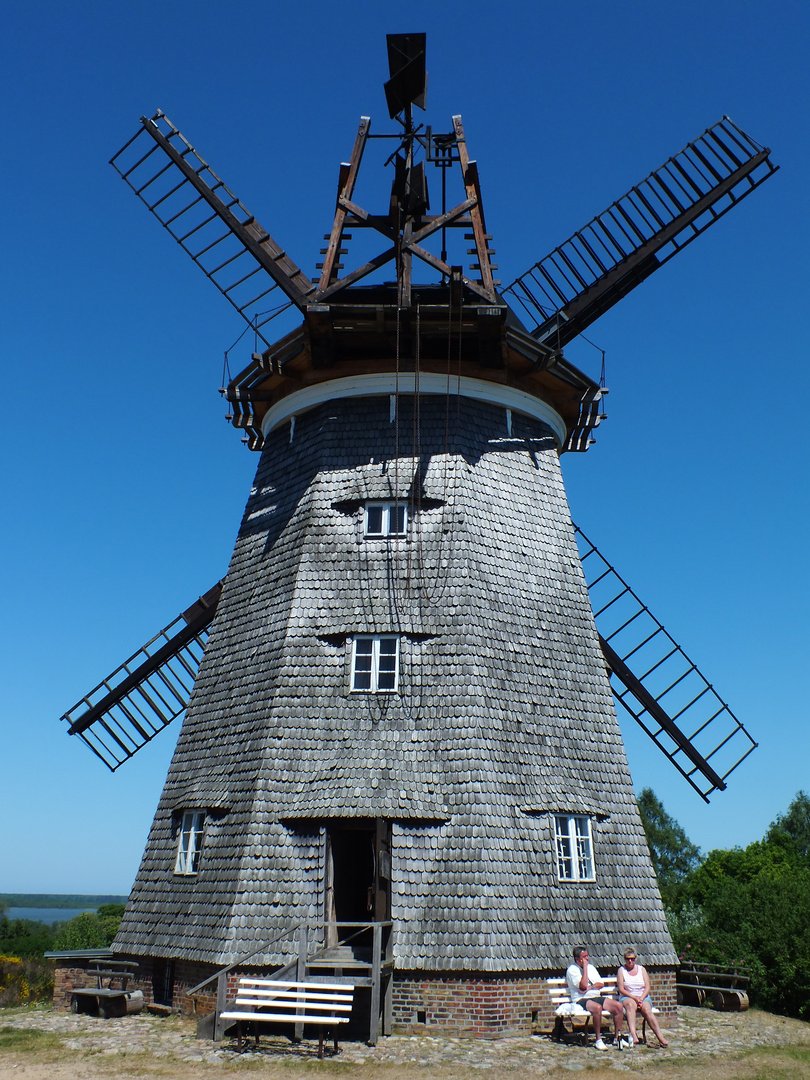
(358, 871)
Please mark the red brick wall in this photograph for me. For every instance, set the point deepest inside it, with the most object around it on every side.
(472, 1005)
(482, 1006)
(186, 975)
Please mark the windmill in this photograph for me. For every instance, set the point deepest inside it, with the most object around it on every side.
(397, 704)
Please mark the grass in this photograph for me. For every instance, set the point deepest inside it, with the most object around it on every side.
(27, 1040)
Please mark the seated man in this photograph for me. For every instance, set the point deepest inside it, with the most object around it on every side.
(584, 984)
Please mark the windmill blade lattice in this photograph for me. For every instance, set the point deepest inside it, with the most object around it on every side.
(210, 223)
(672, 701)
(584, 277)
(152, 688)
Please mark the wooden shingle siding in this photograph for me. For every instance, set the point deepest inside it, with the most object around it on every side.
(503, 713)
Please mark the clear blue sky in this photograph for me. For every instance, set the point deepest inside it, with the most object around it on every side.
(122, 485)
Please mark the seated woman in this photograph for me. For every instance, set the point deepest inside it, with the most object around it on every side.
(633, 984)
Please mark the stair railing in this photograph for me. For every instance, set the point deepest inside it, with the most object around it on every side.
(304, 959)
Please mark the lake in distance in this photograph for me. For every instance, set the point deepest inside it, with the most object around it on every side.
(46, 914)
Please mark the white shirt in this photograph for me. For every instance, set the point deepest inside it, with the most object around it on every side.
(573, 977)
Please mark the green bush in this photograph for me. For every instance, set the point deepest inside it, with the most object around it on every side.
(23, 937)
(25, 980)
(88, 930)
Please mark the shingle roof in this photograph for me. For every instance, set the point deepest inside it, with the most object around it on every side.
(504, 714)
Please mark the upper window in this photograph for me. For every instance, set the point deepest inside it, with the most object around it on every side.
(190, 842)
(574, 849)
(386, 519)
(375, 664)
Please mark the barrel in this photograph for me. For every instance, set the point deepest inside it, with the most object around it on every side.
(691, 995)
(134, 1000)
(730, 1000)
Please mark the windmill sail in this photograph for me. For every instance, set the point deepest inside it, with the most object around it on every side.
(152, 688)
(671, 700)
(210, 223)
(584, 277)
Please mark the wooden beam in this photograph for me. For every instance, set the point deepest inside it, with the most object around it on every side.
(348, 178)
(659, 714)
(261, 245)
(469, 171)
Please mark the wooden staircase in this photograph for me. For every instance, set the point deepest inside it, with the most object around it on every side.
(362, 955)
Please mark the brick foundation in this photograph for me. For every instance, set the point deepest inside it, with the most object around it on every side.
(476, 1006)
(486, 1006)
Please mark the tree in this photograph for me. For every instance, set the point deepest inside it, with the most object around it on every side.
(87, 931)
(674, 856)
(793, 827)
(751, 906)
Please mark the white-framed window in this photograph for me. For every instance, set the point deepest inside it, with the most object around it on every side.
(375, 664)
(189, 844)
(574, 848)
(386, 519)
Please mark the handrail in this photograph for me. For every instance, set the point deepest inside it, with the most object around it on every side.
(241, 959)
(288, 933)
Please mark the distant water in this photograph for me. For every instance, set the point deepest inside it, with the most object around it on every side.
(46, 914)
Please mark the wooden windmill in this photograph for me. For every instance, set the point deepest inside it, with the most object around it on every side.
(398, 706)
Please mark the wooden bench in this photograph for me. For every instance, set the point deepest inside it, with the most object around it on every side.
(107, 1001)
(565, 1009)
(271, 1001)
(727, 987)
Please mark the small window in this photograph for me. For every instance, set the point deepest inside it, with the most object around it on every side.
(375, 664)
(574, 849)
(190, 841)
(386, 519)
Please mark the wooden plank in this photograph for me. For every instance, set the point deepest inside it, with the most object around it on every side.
(301, 1003)
(283, 1018)
(247, 981)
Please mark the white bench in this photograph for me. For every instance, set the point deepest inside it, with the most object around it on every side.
(565, 1009)
(270, 1001)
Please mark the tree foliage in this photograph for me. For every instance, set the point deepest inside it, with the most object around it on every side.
(23, 937)
(751, 906)
(674, 856)
(89, 930)
(793, 828)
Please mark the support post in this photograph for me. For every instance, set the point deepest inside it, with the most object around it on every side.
(222, 1000)
(376, 966)
(388, 992)
(301, 971)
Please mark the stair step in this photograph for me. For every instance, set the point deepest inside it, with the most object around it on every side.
(348, 962)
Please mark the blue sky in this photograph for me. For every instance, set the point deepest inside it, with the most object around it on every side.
(123, 487)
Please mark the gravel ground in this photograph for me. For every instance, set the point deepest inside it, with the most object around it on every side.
(700, 1034)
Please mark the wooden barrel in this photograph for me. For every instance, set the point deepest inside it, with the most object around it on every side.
(691, 995)
(134, 1001)
(730, 1000)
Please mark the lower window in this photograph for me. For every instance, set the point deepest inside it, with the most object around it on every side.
(375, 664)
(574, 848)
(190, 841)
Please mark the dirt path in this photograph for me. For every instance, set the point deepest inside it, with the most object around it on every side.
(39, 1045)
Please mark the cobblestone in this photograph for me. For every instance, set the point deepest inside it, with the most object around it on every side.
(700, 1033)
